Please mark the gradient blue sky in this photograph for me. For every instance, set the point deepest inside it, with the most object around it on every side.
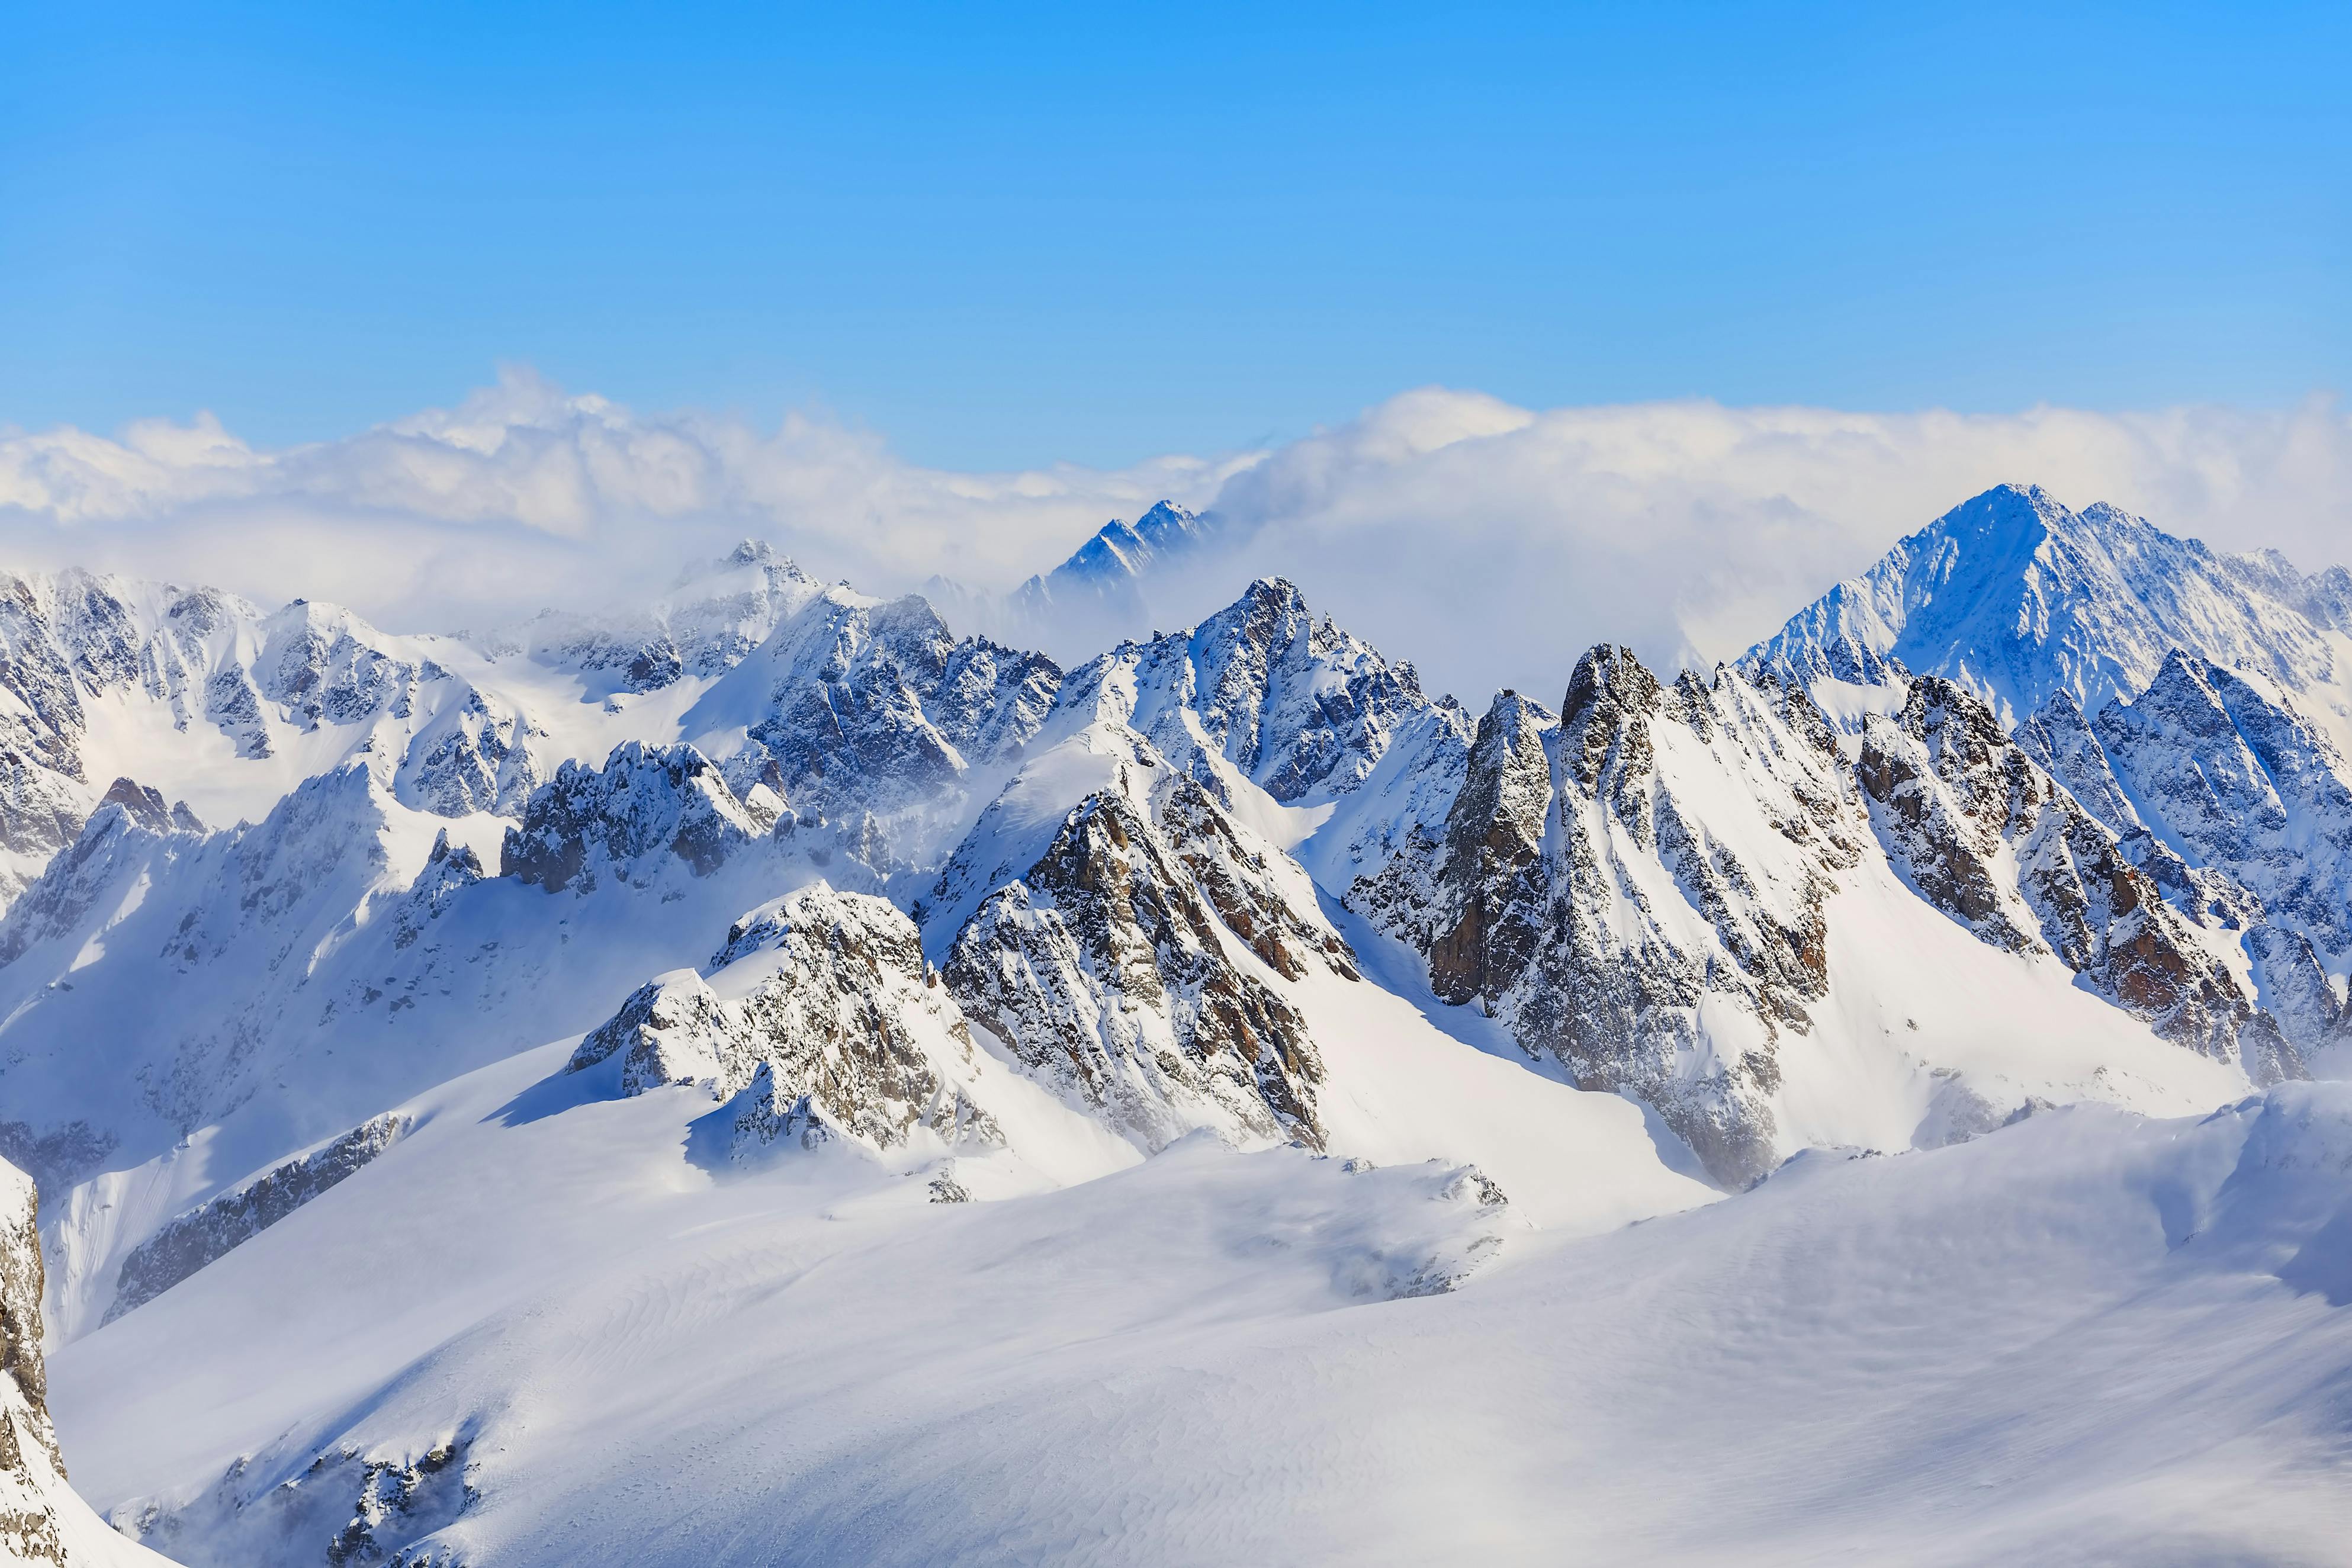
(1092, 233)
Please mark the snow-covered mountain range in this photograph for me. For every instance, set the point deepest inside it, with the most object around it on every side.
(506, 1014)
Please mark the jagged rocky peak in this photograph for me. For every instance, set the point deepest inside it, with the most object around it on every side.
(1125, 937)
(2237, 804)
(2015, 597)
(868, 705)
(1296, 704)
(1657, 850)
(713, 616)
(628, 819)
(1109, 564)
(1982, 833)
(324, 842)
(146, 806)
(1472, 897)
(2238, 779)
(1701, 799)
(819, 1019)
(1103, 969)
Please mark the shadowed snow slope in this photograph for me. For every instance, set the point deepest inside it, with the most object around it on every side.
(2087, 1338)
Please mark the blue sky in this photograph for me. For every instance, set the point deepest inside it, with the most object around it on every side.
(1006, 237)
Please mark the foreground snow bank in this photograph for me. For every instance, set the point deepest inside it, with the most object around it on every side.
(2087, 1337)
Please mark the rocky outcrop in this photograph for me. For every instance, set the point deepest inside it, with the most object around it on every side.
(627, 820)
(197, 660)
(185, 1245)
(862, 706)
(1656, 852)
(32, 1472)
(1295, 703)
(2238, 806)
(1106, 969)
(349, 1506)
(820, 1020)
(1986, 836)
(2237, 781)
(69, 887)
(709, 621)
(41, 1520)
(1472, 900)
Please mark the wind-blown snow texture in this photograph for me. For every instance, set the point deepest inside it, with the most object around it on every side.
(757, 1077)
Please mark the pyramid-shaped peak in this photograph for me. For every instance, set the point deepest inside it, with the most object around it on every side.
(2007, 509)
(1166, 517)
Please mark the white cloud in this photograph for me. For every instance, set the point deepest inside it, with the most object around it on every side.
(1489, 543)
(1494, 544)
(523, 495)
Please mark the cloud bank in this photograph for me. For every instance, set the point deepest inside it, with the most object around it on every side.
(1490, 543)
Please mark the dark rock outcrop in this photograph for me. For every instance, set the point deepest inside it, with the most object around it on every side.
(185, 1245)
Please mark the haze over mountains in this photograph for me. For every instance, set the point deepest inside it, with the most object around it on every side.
(768, 1078)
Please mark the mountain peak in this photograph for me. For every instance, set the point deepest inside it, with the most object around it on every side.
(2014, 597)
(1119, 553)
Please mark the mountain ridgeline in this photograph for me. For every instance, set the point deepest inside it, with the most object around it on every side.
(1658, 884)
(2046, 808)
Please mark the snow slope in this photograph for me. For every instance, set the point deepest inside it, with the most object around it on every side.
(2088, 1338)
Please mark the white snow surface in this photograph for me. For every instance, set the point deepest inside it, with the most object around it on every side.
(2089, 1338)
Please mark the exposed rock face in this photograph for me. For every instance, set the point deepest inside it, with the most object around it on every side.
(208, 660)
(647, 804)
(41, 1520)
(819, 1019)
(448, 871)
(861, 706)
(1600, 878)
(67, 889)
(32, 1472)
(148, 808)
(1986, 836)
(1297, 705)
(1244, 883)
(347, 1507)
(1473, 900)
(2241, 782)
(1618, 984)
(1107, 965)
(186, 1244)
(2238, 806)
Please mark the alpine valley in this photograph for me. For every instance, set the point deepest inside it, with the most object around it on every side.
(765, 1078)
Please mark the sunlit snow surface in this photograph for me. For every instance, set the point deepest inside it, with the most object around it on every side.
(2088, 1337)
